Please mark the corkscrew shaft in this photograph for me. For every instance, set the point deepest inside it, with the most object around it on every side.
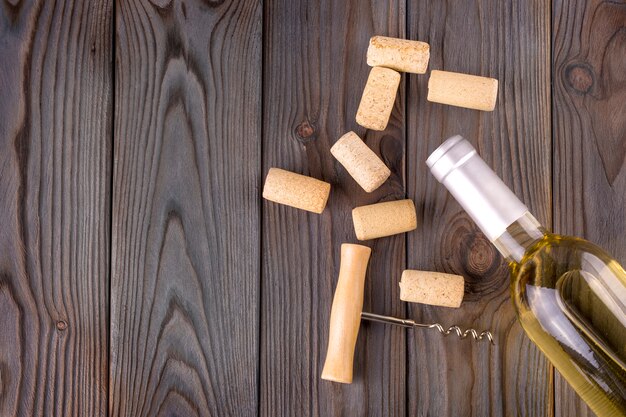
(411, 323)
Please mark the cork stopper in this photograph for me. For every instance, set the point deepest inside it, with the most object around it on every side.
(434, 288)
(360, 161)
(402, 55)
(296, 190)
(378, 98)
(462, 90)
(384, 219)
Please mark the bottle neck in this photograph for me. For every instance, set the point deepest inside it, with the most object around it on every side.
(502, 217)
(519, 237)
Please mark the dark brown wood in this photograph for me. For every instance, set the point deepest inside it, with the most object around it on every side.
(589, 77)
(315, 71)
(186, 214)
(55, 165)
(508, 41)
(220, 301)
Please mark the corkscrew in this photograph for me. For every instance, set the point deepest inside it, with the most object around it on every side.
(347, 312)
(412, 324)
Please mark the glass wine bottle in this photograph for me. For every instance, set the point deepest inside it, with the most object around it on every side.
(569, 295)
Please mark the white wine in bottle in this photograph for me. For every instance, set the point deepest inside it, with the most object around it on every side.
(570, 295)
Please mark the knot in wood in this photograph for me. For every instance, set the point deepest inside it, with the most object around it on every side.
(305, 131)
(481, 254)
(469, 253)
(61, 325)
(579, 77)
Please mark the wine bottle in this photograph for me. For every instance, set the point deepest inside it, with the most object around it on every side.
(569, 294)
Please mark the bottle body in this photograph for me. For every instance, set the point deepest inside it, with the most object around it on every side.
(569, 297)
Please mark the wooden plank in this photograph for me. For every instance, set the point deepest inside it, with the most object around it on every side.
(509, 41)
(589, 45)
(315, 71)
(186, 214)
(55, 158)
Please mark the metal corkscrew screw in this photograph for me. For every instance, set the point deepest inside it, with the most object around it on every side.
(411, 324)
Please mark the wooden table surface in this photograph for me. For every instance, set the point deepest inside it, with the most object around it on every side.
(142, 274)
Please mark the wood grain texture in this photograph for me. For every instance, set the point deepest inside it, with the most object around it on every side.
(55, 165)
(197, 290)
(315, 71)
(509, 41)
(186, 215)
(589, 78)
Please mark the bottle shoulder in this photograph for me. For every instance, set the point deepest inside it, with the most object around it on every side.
(553, 244)
(556, 254)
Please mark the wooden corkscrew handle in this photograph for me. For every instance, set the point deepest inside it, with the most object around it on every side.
(345, 315)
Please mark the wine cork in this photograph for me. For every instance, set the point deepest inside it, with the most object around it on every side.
(384, 219)
(296, 190)
(434, 288)
(378, 97)
(398, 54)
(360, 161)
(462, 90)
